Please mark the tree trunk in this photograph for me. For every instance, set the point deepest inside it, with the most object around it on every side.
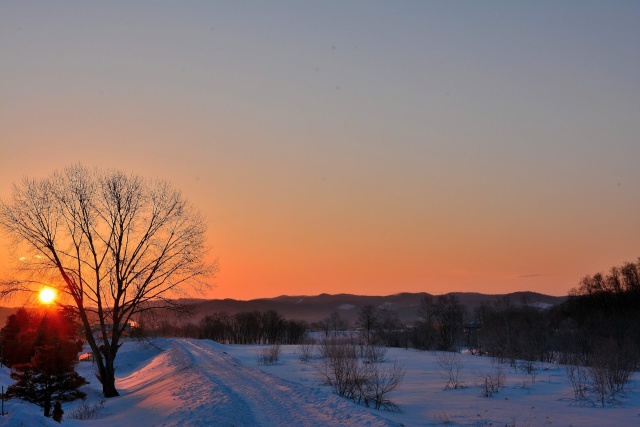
(106, 372)
(109, 377)
(109, 387)
(104, 359)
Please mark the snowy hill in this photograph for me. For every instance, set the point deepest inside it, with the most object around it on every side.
(202, 383)
(197, 383)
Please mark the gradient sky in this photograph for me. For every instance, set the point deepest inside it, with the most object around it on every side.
(363, 147)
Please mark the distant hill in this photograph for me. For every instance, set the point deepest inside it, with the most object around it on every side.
(318, 307)
(314, 308)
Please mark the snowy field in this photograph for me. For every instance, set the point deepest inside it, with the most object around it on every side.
(202, 383)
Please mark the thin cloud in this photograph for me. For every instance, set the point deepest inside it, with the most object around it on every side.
(524, 276)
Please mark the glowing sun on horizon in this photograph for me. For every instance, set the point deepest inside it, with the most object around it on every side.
(47, 295)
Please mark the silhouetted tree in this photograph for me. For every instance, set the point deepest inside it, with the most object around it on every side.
(604, 311)
(440, 322)
(49, 373)
(49, 376)
(218, 327)
(18, 337)
(296, 331)
(449, 318)
(367, 320)
(389, 326)
(336, 323)
(499, 328)
(424, 331)
(27, 329)
(325, 326)
(274, 326)
(114, 243)
(249, 327)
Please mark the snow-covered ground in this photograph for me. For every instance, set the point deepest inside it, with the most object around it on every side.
(202, 383)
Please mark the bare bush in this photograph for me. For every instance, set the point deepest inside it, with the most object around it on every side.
(379, 383)
(341, 369)
(451, 365)
(491, 382)
(598, 377)
(601, 380)
(618, 369)
(269, 355)
(609, 372)
(579, 378)
(359, 381)
(334, 347)
(530, 367)
(306, 349)
(86, 412)
(327, 348)
(375, 353)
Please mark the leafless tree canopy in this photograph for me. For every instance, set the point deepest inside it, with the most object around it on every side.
(114, 243)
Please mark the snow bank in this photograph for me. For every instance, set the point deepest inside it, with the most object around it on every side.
(202, 383)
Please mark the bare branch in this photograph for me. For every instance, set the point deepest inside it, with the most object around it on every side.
(117, 244)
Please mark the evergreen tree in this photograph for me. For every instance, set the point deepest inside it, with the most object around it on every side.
(27, 329)
(49, 376)
(44, 360)
(18, 337)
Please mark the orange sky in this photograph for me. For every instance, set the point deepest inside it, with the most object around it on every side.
(358, 148)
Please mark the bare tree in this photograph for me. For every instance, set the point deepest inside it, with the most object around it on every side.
(367, 320)
(114, 244)
(335, 323)
(440, 321)
(426, 323)
(388, 325)
(450, 316)
(306, 347)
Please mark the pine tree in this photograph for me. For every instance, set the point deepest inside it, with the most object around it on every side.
(18, 337)
(49, 376)
(27, 329)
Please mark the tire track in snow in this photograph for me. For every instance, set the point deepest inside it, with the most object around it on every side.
(219, 390)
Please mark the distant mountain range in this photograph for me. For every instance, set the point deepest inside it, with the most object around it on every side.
(315, 308)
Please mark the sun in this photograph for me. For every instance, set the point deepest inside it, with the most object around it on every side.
(47, 295)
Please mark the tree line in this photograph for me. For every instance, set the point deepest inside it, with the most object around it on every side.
(251, 327)
(595, 333)
(600, 313)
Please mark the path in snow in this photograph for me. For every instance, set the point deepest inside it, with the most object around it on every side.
(216, 389)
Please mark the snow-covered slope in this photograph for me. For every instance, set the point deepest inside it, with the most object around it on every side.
(197, 383)
(545, 399)
(202, 383)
